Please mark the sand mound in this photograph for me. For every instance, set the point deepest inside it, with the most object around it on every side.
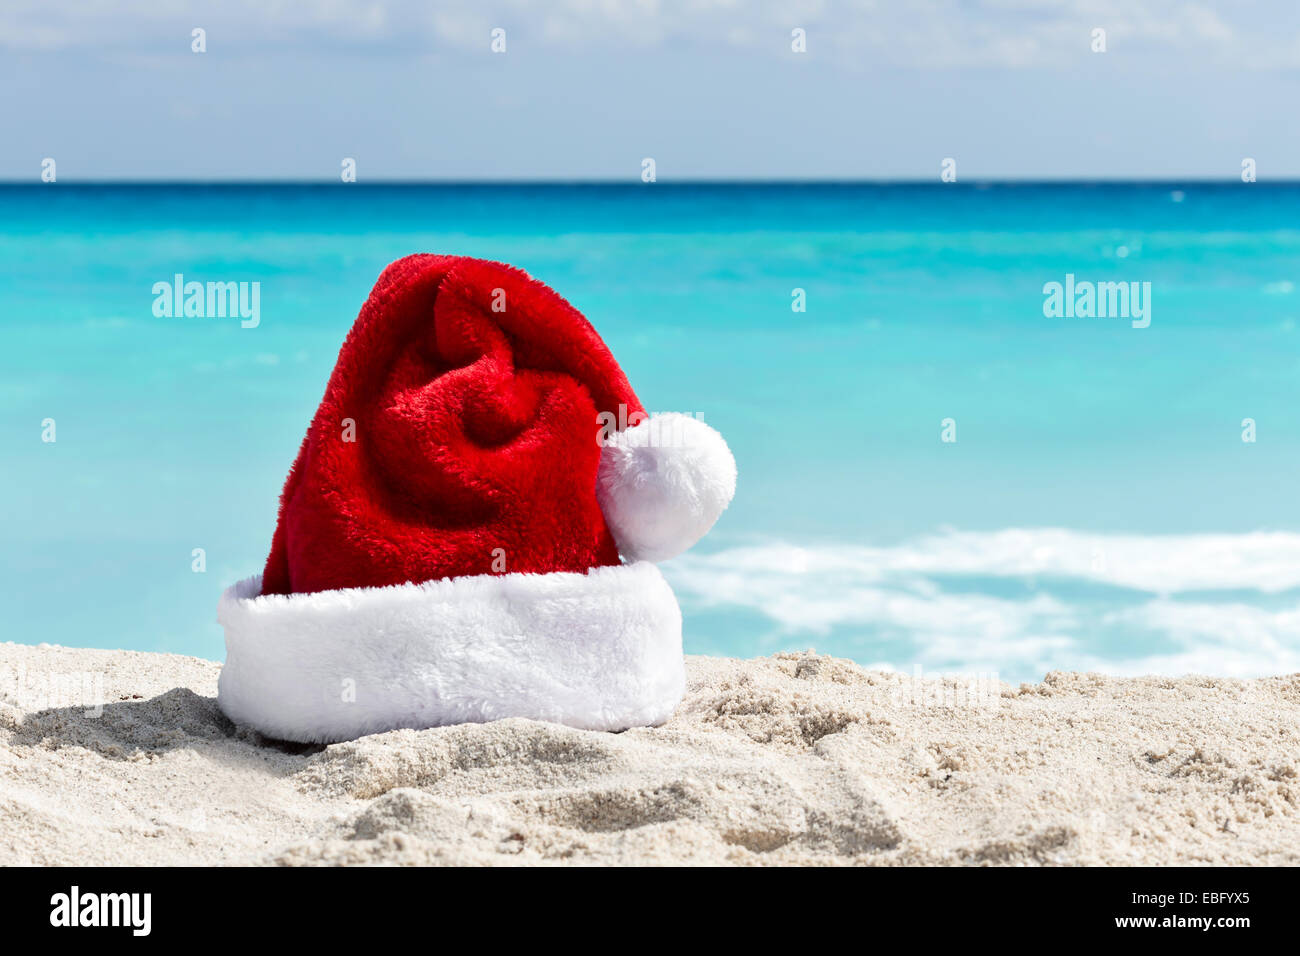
(790, 759)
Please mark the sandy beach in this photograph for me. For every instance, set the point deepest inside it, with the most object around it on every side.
(792, 759)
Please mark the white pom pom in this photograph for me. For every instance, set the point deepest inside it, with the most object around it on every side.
(663, 483)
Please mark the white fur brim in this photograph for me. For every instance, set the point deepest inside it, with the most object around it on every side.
(598, 651)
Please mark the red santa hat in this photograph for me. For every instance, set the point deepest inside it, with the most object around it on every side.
(449, 538)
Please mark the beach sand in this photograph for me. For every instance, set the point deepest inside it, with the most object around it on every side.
(793, 759)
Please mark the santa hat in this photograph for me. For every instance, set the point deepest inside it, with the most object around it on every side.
(449, 538)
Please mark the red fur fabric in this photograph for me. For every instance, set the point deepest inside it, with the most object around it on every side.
(475, 430)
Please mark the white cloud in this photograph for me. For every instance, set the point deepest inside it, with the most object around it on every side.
(855, 33)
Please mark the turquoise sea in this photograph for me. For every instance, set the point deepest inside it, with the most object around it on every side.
(1099, 507)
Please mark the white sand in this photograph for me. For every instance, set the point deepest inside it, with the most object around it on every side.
(791, 759)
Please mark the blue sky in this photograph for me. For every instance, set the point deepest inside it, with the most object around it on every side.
(587, 88)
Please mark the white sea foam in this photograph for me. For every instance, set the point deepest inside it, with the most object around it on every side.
(1023, 601)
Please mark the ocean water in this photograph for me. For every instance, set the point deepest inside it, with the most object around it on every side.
(1098, 509)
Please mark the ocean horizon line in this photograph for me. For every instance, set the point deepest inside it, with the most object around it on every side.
(981, 183)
